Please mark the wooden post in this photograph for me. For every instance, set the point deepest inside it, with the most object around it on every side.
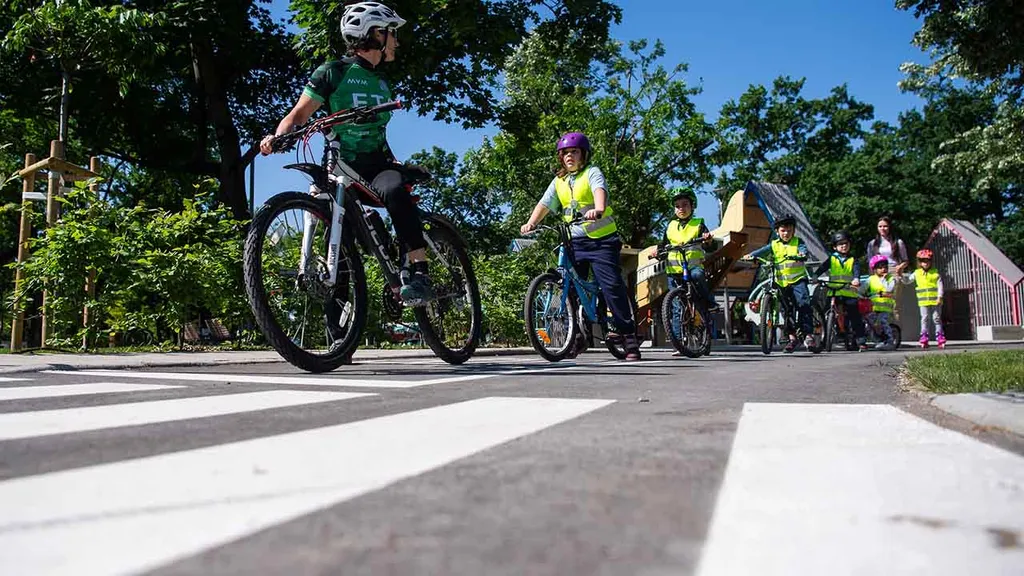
(90, 280)
(52, 213)
(18, 318)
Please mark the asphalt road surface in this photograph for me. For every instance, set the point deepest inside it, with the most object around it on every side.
(732, 464)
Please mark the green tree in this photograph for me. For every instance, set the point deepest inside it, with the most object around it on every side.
(774, 134)
(980, 43)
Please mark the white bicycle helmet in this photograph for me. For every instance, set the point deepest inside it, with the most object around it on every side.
(358, 18)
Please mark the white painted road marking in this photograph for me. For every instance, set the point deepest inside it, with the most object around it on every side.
(862, 489)
(285, 380)
(46, 422)
(25, 392)
(6, 379)
(137, 515)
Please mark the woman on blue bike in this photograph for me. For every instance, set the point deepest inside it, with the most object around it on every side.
(579, 189)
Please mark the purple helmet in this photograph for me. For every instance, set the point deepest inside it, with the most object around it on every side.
(877, 260)
(574, 140)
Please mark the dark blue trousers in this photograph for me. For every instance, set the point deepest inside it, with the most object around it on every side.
(602, 256)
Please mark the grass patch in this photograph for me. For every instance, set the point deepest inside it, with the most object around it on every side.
(987, 371)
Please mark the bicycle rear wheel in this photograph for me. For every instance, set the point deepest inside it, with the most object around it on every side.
(549, 315)
(768, 318)
(685, 323)
(452, 322)
(311, 325)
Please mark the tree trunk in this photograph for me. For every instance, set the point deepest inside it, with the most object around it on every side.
(231, 172)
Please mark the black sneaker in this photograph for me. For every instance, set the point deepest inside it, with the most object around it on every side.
(417, 291)
(632, 347)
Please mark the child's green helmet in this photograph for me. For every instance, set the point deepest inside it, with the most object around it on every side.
(684, 192)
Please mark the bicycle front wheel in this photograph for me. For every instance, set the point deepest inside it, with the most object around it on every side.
(311, 325)
(768, 317)
(831, 329)
(452, 322)
(550, 317)
(685, 323)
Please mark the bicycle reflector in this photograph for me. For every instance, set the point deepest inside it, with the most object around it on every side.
(543, 334)
(755, 306)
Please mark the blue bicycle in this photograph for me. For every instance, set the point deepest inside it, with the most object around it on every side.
(561, 307)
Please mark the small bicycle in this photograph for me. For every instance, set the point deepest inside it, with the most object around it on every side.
(560, 307)
(305, 278)
(874, 332)
(834, 325)
(684, 314)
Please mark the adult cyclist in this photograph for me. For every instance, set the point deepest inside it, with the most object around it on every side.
(370, 30)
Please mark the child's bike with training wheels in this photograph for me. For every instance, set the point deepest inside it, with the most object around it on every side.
(874, 332)
(684, 314)
(776, 312)
(305, 277)
(561, 307)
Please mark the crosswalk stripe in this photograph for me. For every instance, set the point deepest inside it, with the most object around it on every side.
(137, 515)
(285, 380)
(862, 489)
(46, 422)
(27, 392)
(8, 379)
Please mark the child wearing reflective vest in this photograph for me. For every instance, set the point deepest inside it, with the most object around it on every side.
(879, 288)
(790, 257)
(579, 189)
(683, 229)
(929, 297)
(842, 267)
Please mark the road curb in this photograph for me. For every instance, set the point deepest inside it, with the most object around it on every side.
(986, 409)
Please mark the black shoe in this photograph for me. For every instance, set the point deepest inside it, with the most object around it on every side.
(418, 290)
(629, 342)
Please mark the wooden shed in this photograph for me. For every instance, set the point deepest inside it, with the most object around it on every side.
(984, 289)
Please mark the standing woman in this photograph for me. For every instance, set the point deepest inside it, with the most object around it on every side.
(886, 243)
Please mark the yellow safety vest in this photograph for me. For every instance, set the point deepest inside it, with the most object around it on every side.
(879, 303)
(841, 270)
(790, 271)
(579, 198)
(927, 287)
(678, 234)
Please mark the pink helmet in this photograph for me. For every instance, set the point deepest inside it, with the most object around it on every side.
(878, 259)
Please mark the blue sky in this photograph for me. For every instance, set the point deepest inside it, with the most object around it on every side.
(729, 45)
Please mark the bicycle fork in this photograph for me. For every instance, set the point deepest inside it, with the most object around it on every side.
(309, 224)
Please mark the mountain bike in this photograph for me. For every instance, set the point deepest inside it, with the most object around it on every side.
(560, 307)
(684, 313)
(304, 275)
(776, 312)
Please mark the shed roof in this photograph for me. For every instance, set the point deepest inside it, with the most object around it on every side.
(985, 249)
(778, 199)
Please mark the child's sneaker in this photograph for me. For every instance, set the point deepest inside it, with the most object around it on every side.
(810, 343)
(790, 346)
(923, 341)
(941, 341)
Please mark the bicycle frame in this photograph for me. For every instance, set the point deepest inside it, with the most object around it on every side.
(587, 291)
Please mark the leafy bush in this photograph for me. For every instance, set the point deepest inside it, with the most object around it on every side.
(154, 269)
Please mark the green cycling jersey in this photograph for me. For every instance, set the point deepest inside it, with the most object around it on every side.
(348, 83)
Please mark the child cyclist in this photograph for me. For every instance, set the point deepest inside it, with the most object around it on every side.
(929, 297)
(842, 267)
(879, 288)
(579, 189)
(683, 229)
(790, 256)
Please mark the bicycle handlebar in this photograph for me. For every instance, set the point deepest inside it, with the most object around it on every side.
(351, 115)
